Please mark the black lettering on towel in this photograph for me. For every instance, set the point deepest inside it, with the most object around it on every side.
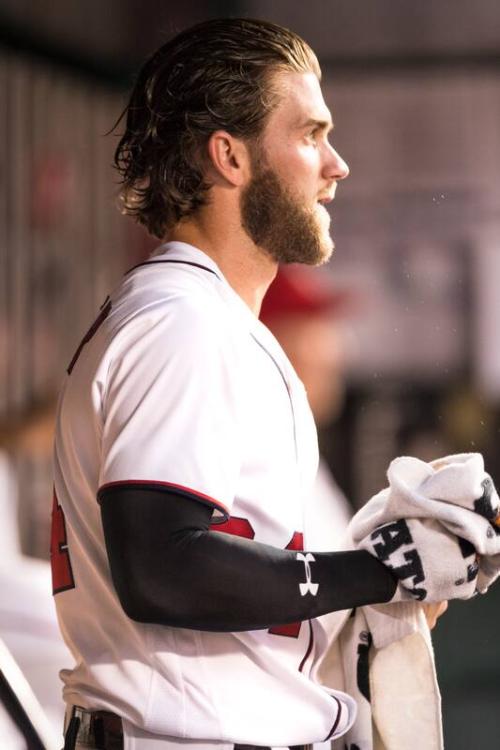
(393, 536)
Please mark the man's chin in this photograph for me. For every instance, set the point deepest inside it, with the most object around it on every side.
(325, 248)
(326, 253)
(326, 243)
(321, 255)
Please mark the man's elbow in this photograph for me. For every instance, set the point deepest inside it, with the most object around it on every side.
(141, 605)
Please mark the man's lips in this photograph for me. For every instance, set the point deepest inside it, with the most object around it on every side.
(324, 200)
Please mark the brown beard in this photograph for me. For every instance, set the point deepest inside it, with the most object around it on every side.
(277, 222)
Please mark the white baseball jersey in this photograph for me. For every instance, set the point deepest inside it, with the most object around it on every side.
(177, 384)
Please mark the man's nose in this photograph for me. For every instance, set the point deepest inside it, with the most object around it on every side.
(335, 168)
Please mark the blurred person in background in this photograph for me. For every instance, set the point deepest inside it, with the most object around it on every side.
(304, 310)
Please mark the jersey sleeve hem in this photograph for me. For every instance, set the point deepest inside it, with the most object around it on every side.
(145, 484)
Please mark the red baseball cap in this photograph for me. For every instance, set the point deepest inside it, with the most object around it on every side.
(304, 290)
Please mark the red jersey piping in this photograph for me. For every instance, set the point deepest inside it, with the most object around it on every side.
(167, 485)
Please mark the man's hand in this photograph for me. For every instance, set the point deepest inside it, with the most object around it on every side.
(433, 612)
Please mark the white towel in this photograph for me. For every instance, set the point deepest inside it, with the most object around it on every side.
(394, 684)
(435, 526)
(382, 656)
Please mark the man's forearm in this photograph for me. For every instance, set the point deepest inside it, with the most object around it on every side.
(169, 568)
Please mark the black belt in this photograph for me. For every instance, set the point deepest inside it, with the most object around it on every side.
(103, 730)
(100, 730)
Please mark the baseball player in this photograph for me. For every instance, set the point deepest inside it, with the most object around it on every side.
(185, 447)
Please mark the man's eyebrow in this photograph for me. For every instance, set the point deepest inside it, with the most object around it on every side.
(320, 124)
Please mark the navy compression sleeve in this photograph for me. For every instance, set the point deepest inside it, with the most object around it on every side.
(169, 568)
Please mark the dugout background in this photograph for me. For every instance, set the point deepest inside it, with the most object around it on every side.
(415, 93)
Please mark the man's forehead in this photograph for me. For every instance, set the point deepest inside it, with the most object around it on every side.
(301, 101)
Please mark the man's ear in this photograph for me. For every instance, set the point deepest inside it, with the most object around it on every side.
(228, 158)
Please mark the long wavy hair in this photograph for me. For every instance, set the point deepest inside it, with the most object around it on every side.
(216, 75)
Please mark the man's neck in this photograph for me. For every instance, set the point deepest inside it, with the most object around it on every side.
(246, 267)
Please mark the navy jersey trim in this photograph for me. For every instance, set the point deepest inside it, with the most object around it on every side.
(336, 722)
(309, 647)
(183, 262)
(179, 489)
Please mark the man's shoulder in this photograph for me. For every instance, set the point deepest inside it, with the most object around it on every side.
(154, 292)
(164, 280)
(170, 312)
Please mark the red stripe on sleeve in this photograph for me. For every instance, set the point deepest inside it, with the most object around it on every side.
(167, 485)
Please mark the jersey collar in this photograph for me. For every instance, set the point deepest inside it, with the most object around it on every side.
(185, 253)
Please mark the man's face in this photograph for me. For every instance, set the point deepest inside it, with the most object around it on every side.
(295, 172)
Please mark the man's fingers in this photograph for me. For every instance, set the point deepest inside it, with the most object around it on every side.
(434, 611)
